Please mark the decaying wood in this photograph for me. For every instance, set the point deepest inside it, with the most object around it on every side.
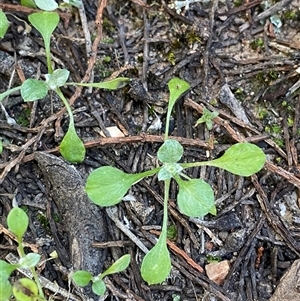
(83, 220)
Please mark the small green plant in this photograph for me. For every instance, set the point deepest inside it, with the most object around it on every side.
(25, 289)
(207, 118)
(71, 147)
(106, 186)
(82, 278)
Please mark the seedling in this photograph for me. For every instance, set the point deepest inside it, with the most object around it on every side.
(82, 278)
(207, 118)
(25, 289)
(71, 147)
(106, 186)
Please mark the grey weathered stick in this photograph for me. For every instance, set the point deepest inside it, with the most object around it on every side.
(82, 219)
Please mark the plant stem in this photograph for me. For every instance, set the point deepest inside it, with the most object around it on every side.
(166, 199)
(32, 270)
(67, 105)
(167, 124)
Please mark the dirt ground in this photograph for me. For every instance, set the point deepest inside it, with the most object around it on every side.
(240, 59)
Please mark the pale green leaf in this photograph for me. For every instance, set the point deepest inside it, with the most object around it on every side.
(113, 84)
(243, 159)
(71, 147)
(99, 287)
(106, 186)
(6, 269)
(168, 171)
(5, 288)
(195, 197)
(45, 23)
(170, 152)
(177, 87)
(57, 79)
(120, 265)
(30, 260)
(25, 289)
(156, 265)
(82, 278)
(46, 4)
(3, 24)
(17, 221)
(33, 89)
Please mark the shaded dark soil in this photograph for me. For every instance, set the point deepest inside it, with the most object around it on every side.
(232, 48)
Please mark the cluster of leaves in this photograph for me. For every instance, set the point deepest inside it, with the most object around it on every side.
(106, 186)
(25, 289)
(71, 147)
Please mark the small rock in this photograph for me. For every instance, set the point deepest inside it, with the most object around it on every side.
(288, 288)
(217, 272)
(235, 240)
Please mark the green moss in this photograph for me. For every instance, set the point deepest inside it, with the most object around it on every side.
(171, 57)
(108, 25)
(193, 37)
(42, 218)
(238, 3)
(24, 117)
(257, 43)
(171, 232)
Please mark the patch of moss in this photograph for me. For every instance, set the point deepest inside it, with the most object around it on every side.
(257, 43)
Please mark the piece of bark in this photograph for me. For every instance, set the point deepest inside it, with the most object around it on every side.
(288, 288)
(83, 220)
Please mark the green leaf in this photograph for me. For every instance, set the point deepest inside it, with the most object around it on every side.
(17, 221)
(243, 159)
(46, 5)
(30, 260)
(168, 171)
(3, 24)
(113, 84)
(176, 87)
(28, 3)
(6, 269)
(71, 147)
(82, 278)
(5, 288)
(25, 289)
(156, 265)
(120, 265)
(45, 23)
(33, 89)
(170, 152)
(57, 79)
(99, 287)
(106, 186)
(1, 146)
(195, 197)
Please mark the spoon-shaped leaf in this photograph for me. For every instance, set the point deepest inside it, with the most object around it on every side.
(17, 221)
(45, 23)
(25, 289)
(71, 147)
(33, 89)
(243, 159)
(30, 260)
(118, 266)
(99, 287)
(156, 265)
(113, 84)
(195, 197)
(3, 24)
(177, 87)
(46, 5)
(5, 288)
(82, 278)
(170, 152)
(106, 186)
